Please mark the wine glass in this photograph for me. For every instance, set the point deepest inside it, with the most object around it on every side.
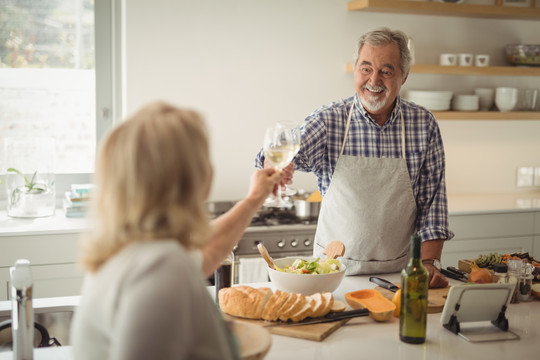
(278, 152)
(294, 128)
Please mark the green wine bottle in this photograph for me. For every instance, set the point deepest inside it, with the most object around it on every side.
(414, 293)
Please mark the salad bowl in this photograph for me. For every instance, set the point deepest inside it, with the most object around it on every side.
(304, 283)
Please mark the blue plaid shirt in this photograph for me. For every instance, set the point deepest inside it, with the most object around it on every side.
(322, 138)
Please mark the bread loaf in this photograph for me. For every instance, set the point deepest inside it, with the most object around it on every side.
(251, 303)
(244, 301)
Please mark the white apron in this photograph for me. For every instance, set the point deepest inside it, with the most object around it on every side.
(370, 207)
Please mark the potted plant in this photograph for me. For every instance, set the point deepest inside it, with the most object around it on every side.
(30, 196)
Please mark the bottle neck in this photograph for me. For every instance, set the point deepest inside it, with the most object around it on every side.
(416, 248)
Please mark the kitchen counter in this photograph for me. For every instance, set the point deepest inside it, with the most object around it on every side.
(466, 204)
(381, 341)
(463, 204)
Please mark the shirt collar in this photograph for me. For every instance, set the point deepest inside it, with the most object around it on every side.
(393, 116)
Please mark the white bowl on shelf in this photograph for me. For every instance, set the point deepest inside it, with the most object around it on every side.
(506, 98)
(466, 103)
(431, 100)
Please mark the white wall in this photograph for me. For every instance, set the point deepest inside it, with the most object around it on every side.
(246, 64)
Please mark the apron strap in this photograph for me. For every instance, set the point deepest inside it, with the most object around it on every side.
(347, 129)
(402, 133)
(402, 136)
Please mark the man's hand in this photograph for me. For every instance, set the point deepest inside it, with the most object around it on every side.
(286, 174)
(436, 279)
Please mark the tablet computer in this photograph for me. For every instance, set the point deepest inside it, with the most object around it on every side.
(481, 305)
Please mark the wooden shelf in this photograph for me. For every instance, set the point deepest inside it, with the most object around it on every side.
(445, 9)
(470, 70)
(486, 115)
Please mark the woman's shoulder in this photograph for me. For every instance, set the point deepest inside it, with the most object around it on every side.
(160, 253)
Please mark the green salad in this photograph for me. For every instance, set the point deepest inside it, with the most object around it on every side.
(316, 266)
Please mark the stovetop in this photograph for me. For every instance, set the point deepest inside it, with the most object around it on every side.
(276, 217)
(265, 216)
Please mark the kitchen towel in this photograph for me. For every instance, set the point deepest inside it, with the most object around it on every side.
(252, 270)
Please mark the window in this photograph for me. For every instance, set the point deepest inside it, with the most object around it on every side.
(58, 61)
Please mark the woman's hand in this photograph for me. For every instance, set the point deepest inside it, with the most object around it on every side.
(263, 182)
(286, 174)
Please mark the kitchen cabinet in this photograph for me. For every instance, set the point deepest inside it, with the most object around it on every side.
(460, 10)
(53, 259)
(483, 233)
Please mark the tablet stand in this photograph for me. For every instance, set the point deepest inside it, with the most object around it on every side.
(499, 330)
(501, 322)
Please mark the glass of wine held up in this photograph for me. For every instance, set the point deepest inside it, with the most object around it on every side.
(279, 150)
(294, 128)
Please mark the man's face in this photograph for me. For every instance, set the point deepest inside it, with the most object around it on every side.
(378, 78)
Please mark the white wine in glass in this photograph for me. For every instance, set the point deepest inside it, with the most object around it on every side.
(294, 128)
(278, 152)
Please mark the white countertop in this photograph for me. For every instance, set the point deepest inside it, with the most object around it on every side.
(464, 204)
(364, 338)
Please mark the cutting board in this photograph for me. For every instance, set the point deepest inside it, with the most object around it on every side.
(436, 298)
(314, 332)
(465, 265)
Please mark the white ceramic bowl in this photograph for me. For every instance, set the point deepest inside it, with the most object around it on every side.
(305, 284)
(506, 98)
(486, 97)
(425, 94)
(465, 102)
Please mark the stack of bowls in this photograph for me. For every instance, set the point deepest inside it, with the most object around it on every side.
(466, 103)
(431, 100)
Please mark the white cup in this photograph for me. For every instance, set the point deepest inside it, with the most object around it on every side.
(486, 98)
(506, 98)
(448, 59)
(529, 99)
(465, 59)
(481, 60)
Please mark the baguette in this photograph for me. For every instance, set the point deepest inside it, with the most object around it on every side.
(251, 303)
(270, 311)
(294, 308)
(305, 312)
(244, 301)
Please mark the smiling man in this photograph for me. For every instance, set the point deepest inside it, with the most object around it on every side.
(379, 163)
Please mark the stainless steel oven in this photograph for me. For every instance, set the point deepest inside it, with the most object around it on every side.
(280, 230)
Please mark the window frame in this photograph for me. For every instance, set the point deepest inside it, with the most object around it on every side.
(110, 104)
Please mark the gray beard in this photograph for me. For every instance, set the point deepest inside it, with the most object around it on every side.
(373, 106)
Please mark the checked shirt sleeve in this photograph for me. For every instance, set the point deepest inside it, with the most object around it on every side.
(432, 219)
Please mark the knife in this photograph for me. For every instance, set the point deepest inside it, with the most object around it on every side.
(330, 317)
(453, 275)
(463, 274)
(384, 283)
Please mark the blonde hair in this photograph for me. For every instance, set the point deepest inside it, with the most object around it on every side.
(153, 175)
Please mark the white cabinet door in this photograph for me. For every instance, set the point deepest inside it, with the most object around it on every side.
(455, 250)
(483, 226)
(40, 249)
(4, 280)
(484, 233)
(51, 280)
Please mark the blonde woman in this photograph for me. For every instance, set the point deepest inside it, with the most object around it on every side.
(152, 246)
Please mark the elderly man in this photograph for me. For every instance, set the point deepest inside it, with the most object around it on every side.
(379, 163)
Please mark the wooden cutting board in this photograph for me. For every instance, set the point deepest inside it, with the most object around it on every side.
(436, 298)
(465, 265)
(314, 332)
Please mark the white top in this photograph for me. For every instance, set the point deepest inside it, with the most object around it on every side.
(149, 302)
